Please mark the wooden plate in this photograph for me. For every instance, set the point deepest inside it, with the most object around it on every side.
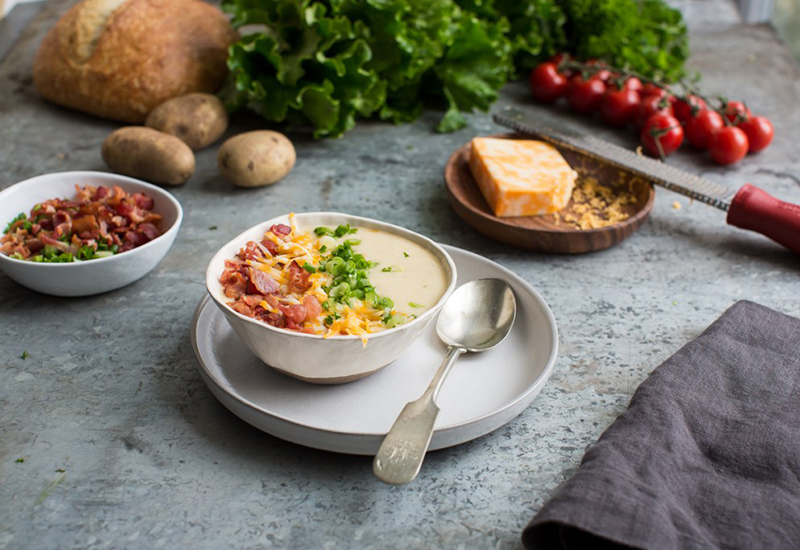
(548, 233)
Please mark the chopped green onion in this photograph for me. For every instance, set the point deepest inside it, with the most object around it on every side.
(310, 268)
(405, 254)
(20, 217)
(414, 304)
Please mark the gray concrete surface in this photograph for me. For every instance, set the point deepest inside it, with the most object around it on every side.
(125, 447)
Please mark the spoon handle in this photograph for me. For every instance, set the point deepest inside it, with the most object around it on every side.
(400, 456)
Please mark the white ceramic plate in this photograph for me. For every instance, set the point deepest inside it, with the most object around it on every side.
(483, 391)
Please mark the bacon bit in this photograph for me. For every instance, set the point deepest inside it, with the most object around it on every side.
(241, 307)
(294, 313)
(149, 230)
(280, 229)
(262, 283)
(271, 247)
(313, 307)
(298, 278)
(235, 284)
(84, 224)
(143, 201)
(250, 251)
(275, 319)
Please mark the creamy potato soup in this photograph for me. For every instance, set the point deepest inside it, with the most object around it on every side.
(332, 281)
(406, 272)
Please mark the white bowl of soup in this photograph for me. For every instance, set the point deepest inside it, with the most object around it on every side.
(328, 297)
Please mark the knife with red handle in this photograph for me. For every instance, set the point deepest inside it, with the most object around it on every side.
(748, 208)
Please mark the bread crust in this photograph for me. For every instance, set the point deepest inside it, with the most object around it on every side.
(148, 51)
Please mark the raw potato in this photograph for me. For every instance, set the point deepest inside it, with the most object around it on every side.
(256, 158)
(196, 119)
(149, 155)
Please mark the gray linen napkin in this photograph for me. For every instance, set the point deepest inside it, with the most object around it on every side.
(706, 456)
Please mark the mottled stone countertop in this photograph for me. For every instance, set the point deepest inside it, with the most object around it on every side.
(124, 445)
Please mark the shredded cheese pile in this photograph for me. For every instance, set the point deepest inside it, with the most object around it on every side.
(594, 205)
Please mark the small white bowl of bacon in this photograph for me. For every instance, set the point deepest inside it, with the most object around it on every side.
(84, 233)
(327, 297)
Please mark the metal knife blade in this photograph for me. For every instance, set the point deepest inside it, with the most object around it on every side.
(651, 169)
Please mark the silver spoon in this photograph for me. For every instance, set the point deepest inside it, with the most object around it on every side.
(476, 317)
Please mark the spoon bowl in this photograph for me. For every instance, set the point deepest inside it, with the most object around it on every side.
(476, 317)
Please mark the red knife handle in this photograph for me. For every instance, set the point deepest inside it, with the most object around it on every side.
(757, 210)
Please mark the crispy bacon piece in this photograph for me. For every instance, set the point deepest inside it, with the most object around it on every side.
(84, 223)
(250, 251)
(149, 230)
(313, 307)
(241, 307)
(235, 284)
(295, 314)
(261, 282)
(298, 278)
(280, 229)
(270, 246)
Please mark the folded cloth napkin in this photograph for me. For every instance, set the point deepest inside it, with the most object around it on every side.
(706, 456)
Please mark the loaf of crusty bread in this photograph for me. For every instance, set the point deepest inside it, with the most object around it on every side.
(119, 59)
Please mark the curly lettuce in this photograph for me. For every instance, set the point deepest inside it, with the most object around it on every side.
(325, 63)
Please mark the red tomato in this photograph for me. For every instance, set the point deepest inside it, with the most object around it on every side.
(687, 107)
(729, 145)
(558, 59)
(651, 105)
(661, 135)
(619, 107)
(735, 111)
(603, 74)
(584, 96)
(651, 89)
(700, 128)
(547, 84)
(759, 133)
(633, 83)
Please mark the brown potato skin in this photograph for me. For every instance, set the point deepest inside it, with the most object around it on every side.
(258, 158)
(148, 155)
(196, 119)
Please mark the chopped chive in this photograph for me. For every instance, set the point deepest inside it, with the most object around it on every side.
(212, 228)
(405, 254)
(20, 460)
(24, 355)
(414, 304)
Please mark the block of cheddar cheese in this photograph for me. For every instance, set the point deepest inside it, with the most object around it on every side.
(521, 177)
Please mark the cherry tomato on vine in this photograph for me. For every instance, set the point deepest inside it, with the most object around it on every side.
(700, 128)
(547, 84)
(687, 107)
(584, 96)
(759, 133)
(735, 111)
(619, 107)
(558, 59)
(634, 84)
(661, 135)
(651, 105)
(729, 145)
(652, 89)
